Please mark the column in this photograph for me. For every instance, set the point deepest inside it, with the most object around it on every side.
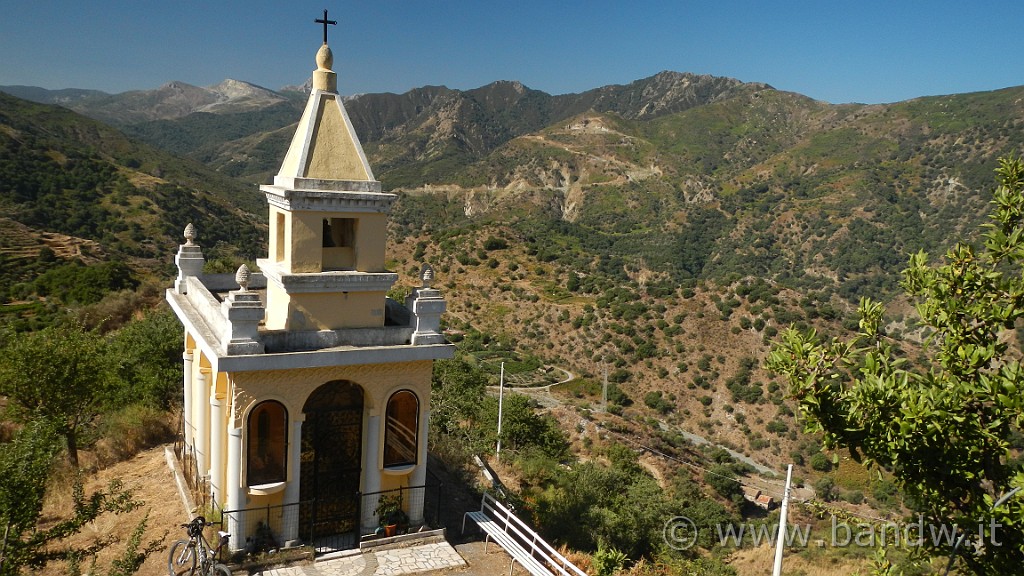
(290, 523)
(186, 408)
(197, 401)
(371, 470)
(202, 403)
(419, 474)
(235, 493)
(216, 469)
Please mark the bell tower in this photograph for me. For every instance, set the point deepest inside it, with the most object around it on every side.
(328, 223)
(306, 389)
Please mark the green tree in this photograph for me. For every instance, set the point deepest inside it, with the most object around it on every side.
(724, 481)
(28, 545)
(59, 373)
(593, 506)
(521, 426)
(457, 391)
(820, 462)
(146, 353)
(944, 429)
(825, 488)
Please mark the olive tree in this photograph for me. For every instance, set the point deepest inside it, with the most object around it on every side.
(944, 427)
(30, 540)
(59, 373)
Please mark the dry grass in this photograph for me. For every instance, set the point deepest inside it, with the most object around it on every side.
(130, 431)
(760, 561)
(148, 476)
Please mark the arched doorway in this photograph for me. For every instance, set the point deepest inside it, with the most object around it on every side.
(332, 458)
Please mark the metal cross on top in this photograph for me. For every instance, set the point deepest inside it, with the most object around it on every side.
(325, 22)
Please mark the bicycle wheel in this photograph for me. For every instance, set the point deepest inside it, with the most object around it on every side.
(220, 570)
(182, 559)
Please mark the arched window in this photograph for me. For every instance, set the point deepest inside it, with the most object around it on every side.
(401, 429)
(268, 439)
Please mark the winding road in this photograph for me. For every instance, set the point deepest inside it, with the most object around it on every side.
(544, 397)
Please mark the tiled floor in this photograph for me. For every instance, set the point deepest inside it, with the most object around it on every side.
(393, 562)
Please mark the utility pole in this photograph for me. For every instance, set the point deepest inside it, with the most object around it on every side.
(780, 540)
(501, 398)
(604, 390)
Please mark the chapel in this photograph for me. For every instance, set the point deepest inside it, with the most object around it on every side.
(306, 391)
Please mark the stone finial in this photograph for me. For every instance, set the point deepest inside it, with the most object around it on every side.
(427, 275)
(323, 77)
(242, 277)
(324, 58)
(190, 235)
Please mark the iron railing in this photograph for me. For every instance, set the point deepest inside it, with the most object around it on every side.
(272, 526)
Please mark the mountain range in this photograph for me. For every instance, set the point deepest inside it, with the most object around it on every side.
(749, 177)
(229, 125)
(170, 101)
(664, 230)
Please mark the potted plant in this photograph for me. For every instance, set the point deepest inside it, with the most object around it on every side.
(390, 514)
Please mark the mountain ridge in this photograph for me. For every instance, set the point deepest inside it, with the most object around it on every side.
(173, 99)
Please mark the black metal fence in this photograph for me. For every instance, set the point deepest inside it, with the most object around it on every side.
(197, 482)
(269, 527)
(327, 525)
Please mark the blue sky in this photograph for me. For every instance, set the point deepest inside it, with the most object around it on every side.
(863, 51)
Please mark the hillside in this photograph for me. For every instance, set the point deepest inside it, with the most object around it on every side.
(633, 216)
(776, 183)
(669, 252)
(660, 233)
(763, 183)
(75, 193)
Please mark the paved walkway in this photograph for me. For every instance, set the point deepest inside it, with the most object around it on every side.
(391, 562)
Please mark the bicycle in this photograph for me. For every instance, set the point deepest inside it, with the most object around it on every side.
(185, 554)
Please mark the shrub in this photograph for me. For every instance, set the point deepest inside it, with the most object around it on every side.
(821, 462)
(825, 488)
(656, 401)
(493, 243)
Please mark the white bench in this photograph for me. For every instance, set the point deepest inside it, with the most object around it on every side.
(523, 544)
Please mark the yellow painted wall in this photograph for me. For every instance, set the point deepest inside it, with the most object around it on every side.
(334, 154)
(339, 258)
(279, 237)
(336, 311)
(371, 241)
(328, 311)
(293, 387)
(277, 308)
(305, 252)
(304, 231)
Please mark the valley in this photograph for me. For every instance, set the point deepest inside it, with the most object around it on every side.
(660, 234)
